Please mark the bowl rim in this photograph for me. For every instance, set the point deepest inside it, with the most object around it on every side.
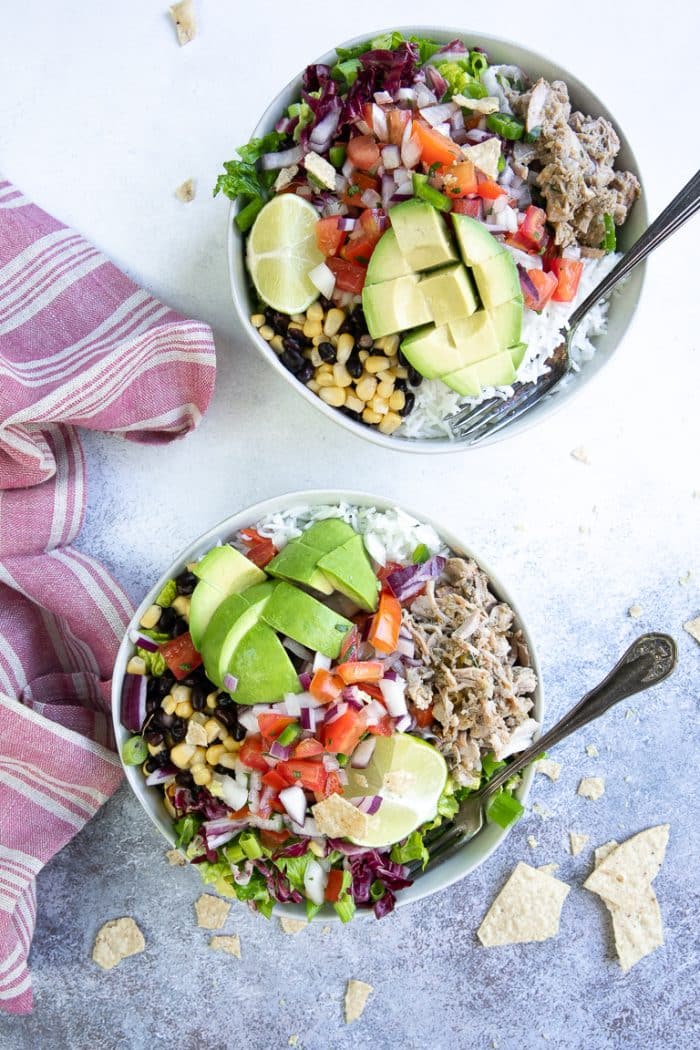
(237, 270)
(488, 840)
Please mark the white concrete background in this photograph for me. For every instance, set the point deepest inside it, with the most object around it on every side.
(102, 115)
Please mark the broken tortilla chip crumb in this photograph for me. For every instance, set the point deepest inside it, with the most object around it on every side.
(117, 940)
(356, 995)
(338, 818)
(548, 869)
(230, 943)
(592, 788)
(185, 20)
(292, 925)
(635, 611)
(548, 767)
(175, 858)
(581, 454)
(592, 751)
(693, 628)
(293, 1040)
(528, 908)
(532, 842)
(212, 912)
(577, 842)
(186, 192)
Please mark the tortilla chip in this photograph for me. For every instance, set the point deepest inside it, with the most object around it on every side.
(592, 788)
(528, 908)
(338, 818)
(693, 628)
(117, 940)
(635, 611)
(637, 931)
(230, 944)
(175, 858)
(356, 995)
(548, 869)
(581, 454)
(212, 912)
(293, 1040)
(548, 767)
(625, 873)
(576, 842)
(185, 21)
(592, 751)
(292, 926)
(186, 192)
(532, 842)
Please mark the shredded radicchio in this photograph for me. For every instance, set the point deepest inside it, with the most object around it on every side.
(278, 884)
(381, 71)
(198, 801)
(370, 866)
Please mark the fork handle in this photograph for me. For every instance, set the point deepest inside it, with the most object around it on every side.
(650, 659)
(683, 205)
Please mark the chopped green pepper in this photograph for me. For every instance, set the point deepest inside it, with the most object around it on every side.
(505, 125)
(421, 554)
(336, 155)
(610, 240)
(428, 193)
(134, 751)
(289, 734)
(247, 216)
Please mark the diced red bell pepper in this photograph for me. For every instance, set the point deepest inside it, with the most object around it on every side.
(334, 885)
(435, 148)
(329, 237)
(349, 277)
(180, 655)
(545, 285)
(372, 690)
(342, 736)
(386, 624)
(251, 754)
(325, 686)
(361, 671)
(459, 180)
(568, 273)
(305, 772)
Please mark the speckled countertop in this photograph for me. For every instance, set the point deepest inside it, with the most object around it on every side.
(85, 94)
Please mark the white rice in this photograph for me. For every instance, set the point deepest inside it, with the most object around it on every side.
(542, 333)
(389, 535)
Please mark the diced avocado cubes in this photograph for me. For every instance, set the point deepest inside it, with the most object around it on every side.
(351, 573)
(222, 571)
(449, 293)
(298, 561)
(475, 336)
(476, 244)
(497, 280)
(386, 261)
(507, 320)
(496, 370)
(432, 351)
(421, 234)
(393, 306)
(303, 618)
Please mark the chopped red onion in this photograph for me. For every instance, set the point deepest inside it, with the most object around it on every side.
(383, 98)
(406, 647)
(334, 712)
(254, 787)
(457, 120)
(394, 696)
(370, 198)
(283, 159)
(324, 131)
(346, 224)
(379, 123)
(294, 801)
(410, 149)
(330, 763)
(529, 262)
(439, 114)
(279, 751)
(249, 721)
(308, 719)
(362, 755)
(405, 94)
(342, 776)
(391, 155)
(323, 279)
(347, 168)
(527, 284)
(424, 96)
(368, 804)
(165, 775)
(142, 642)
(476, 135)
(133, 706)
(403, 724)
(408, 581)
(315, 879)
(305, 680)
(230, 683)
(322, 662)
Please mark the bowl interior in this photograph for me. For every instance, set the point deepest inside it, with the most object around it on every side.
(622, 306)
(476, 851)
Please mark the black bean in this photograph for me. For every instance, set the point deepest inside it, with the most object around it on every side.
(152, 703)
(408, 404)
(184, 779)
(225, 701)
(178, 729)
(167, 619)
(186, 582)
(269, 315)
(366, 342)
(306, 373)
(326, 351)
(414, 378)
(292, 360)
(324, 303)
(151, 764)
(161, 720)
(400, 384)
(223, 770)
(179, 627)
(153, 736)
(162, 759)
(295, 346)
(238, 732)
(199, 697)
(354, 365)
(347, 326)
(280, 323)
(402, 360)
(227, 715)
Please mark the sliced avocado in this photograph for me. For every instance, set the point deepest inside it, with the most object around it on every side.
(327, 534)
(386, 261)
(263, 668)
(496, 370)
(222, 571)
(463, 381)
(394, 306)
(350, 571)
(421, 234)
(432, 351)
(298, 563)
(449, 294)
(497, 280)
(475, 337)
(232, 619)
(507, 319)
(517, 354)
(476, 244)
(295, 613)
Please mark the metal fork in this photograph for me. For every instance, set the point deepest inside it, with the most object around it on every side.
(477, 423)
(648, 661)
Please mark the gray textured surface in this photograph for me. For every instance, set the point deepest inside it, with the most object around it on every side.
(577, 545)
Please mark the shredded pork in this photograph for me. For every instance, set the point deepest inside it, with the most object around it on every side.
(573, 165)
(474, 669)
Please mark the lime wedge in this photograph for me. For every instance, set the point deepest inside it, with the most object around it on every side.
(409, 775)
(281, 251)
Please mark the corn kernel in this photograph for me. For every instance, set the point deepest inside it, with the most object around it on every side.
(199, 757)
(313, 386)
(334, 319)
(212, 727)
(276, 344)
(342, 376)
(136, 665)
(213, 700)
(201, 775)
(181, 755)
(315, 312)
(379, 404)
(298, 319)
(375, 363)
(318, 339)
(295, 326)
(389, 423)
(312, 328)
(397, 401)
(354, 403)
(228, 761)
(180, 693)
(379, 343)
(231, 744)
(257, 320)
(342, 352)
(368, 416)
(386, 388)
(267, 332)
(151, 617)
(333, 395)
(316, 359)
(154, 749)
(324, 369)
(325, 379)
(391, 344)
(345, 342)
(184, 709)
(181, 605)
(214, 753)
(366, 388)
(168, 704)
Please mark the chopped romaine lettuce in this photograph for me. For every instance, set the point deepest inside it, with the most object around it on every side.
(242, 180)
(186, 828)
(167, 595)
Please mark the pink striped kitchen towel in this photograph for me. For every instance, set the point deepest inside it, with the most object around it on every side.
(80, 345)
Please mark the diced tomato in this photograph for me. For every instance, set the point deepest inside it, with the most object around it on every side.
(386, 570)
(361, 671)
(363, 152)
(261, 553)
(396, 121)
(373, 690)
(332, 786)
(459, 179)
(468, 206)
(489, 190)
(358, 250)
(435, 148)
(325, 686)
(533, 227)
(372, 223)
(276, 806)
(180, 655)
(240, 814)
(359, 182)
(273, 779)
(545, 284)
(342, 736)
(568, 273)
(329, 238)
(334, 884)
(349, 277)
(382, 728)
(423, 717)
(271, 725)
(251, 754)
(516, 240)
(351, 643)
(384, 632)
(309, 774)
(309, 748)
(251, 536)
(272, 839)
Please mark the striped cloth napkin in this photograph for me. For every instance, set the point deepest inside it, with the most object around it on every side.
(80, 345)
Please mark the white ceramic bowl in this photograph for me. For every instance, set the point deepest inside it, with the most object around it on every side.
(443, 875)
(622, 307)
